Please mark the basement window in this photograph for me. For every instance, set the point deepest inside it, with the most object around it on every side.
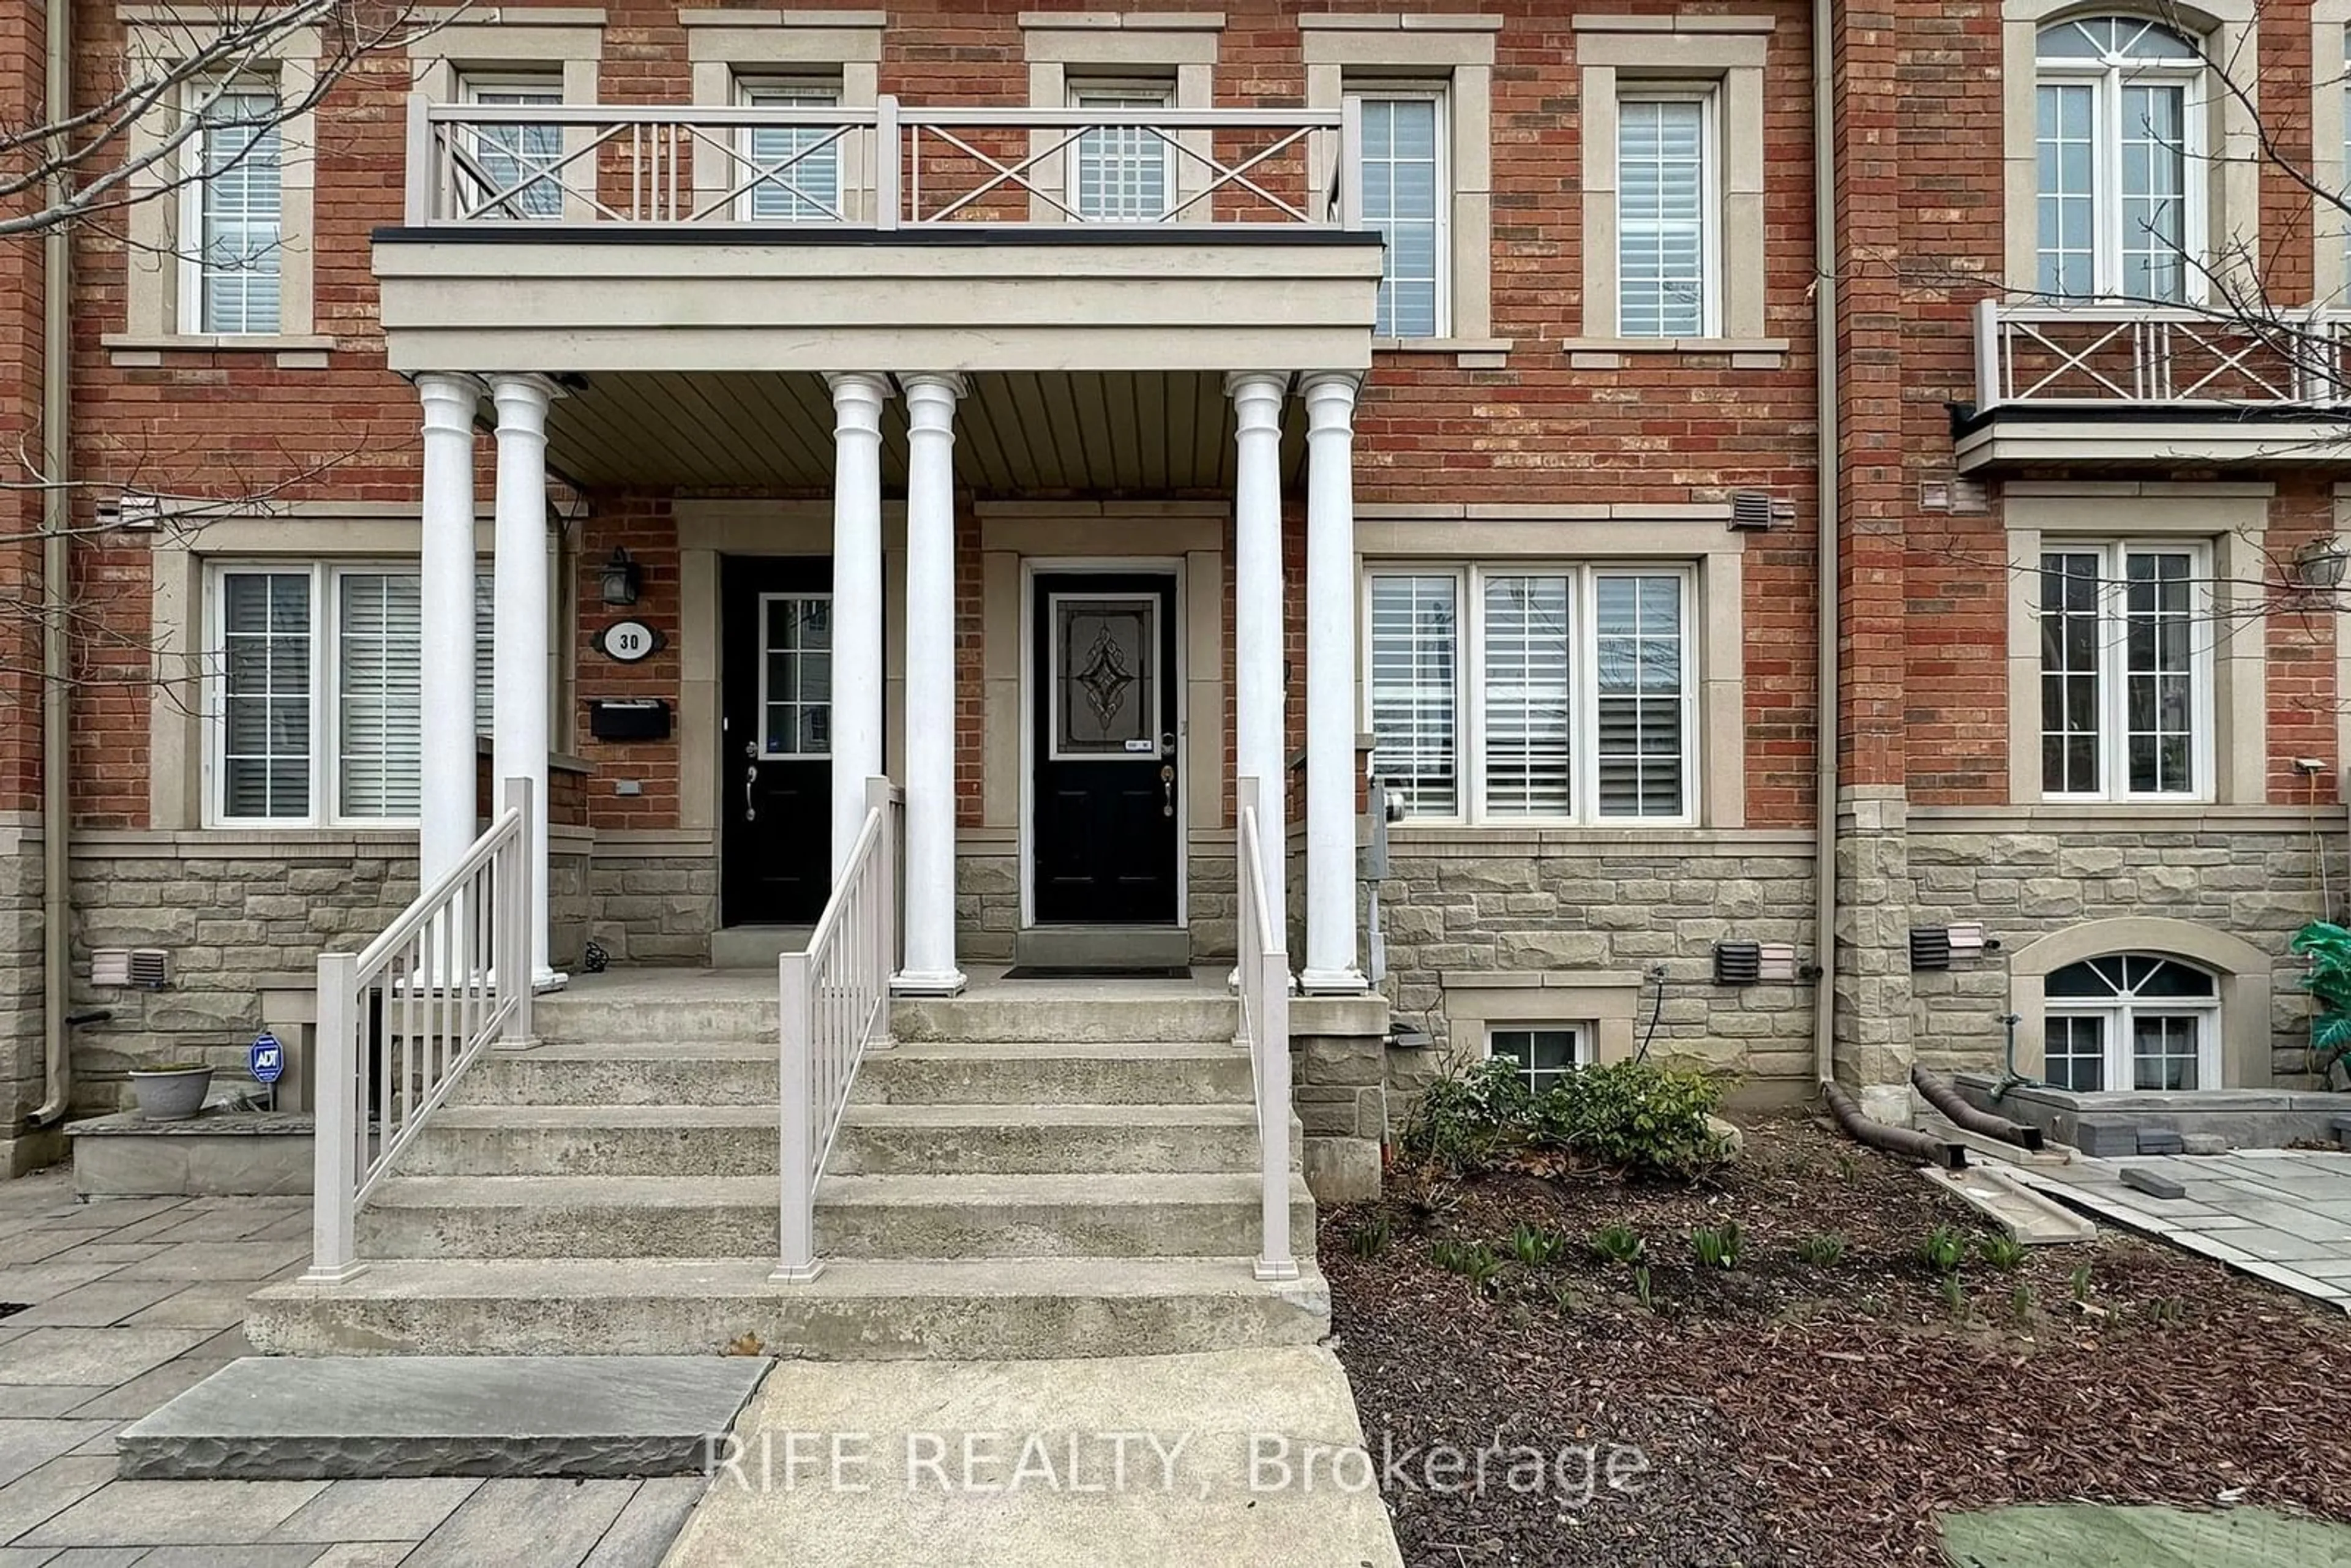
(2132, 1020)
(1546, 1053)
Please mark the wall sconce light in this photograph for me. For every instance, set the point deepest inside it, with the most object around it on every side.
(621, 579)
(2319, 564)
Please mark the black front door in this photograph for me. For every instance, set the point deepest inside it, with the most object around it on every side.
(1108, 797)
(775, 761)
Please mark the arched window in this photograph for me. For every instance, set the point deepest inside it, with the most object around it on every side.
(2116, 103)
(2132, 1020)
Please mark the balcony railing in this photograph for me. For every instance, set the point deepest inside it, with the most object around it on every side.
(2101, 354)
(888, 167)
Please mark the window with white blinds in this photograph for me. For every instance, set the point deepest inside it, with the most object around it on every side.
(804, 186)
(1545, 694)
(506, 159)
(315, 712)
(1124, 174)
(1405, 201)
(234, 215)
(1665, 220)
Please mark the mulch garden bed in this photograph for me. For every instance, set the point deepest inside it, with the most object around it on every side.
(1786, 1412)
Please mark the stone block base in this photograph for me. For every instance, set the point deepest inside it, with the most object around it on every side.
(223, 1154)
(1338, 1062)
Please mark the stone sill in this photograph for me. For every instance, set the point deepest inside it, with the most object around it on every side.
(2136, 816)
(1458, 839)
(295, 351)
(1468, 353)
(1610, 353)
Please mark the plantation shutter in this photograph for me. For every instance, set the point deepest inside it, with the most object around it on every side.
(378, 655)
(1415, 658)
(1122, 169)
(1526, 696)
(240, 214)
(1401, 202)
(1661, 217)
(485, 653)
(264, 693)
(1638, 668)
(509, 155)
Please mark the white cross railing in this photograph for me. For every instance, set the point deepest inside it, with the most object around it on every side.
(1265, 1031)
(2096, 354)
(886, 167)
(401, 1022)
(834, 998)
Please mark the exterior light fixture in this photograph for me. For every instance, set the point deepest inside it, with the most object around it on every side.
(2319, 564)
(621, 579)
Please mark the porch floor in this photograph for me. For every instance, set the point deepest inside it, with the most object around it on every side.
(987, 984)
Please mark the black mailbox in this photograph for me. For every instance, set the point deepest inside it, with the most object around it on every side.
(629, 718)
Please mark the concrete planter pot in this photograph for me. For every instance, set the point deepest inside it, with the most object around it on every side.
(172, 1094)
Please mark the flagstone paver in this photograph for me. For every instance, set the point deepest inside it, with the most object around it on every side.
(2280, 1215)
(134, 1301)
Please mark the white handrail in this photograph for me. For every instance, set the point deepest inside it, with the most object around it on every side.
(1265, 1030)
(401, 1022)
(833, 999)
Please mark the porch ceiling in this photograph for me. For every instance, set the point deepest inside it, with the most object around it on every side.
(1017, 431)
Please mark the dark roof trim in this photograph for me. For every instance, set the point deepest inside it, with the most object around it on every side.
(1967, 421)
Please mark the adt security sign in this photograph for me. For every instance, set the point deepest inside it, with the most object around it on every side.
(267, 1059)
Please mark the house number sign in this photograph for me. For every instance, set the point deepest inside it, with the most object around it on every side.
(628, 641)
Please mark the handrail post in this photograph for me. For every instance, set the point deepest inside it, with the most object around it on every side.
(1351, 163)
(886, 155)
(423, 169)
(514, 922)
(878, 798)
(1986, 353)
(337, 1121)
(796, 1261)
(1272, 1045)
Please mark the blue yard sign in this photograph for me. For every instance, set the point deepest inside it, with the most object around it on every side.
(267, 1059)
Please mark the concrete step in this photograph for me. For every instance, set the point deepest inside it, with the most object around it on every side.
(741, 1140)
(954, 1215)
(344, 1418)
(732, 1011)
(707, 1073)
(1061, 1073)
(1098, 1011)
(975, 1310)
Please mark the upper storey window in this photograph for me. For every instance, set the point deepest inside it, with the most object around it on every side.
(2116, 108)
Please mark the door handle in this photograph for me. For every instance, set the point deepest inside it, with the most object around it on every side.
(750, 783)
(1167, 790)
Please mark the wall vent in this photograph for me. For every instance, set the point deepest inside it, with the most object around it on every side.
(150, 969)
(1930, 948)
(1777, 962)
(1737, 963)
(1754, 511)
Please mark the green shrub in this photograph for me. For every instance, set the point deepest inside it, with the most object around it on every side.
(1944, 1249)
(1634, 1116)
(1619, 1243)
(1821, 1250)
(1717, 1249)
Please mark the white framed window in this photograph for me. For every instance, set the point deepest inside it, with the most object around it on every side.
(1669, 231)
(1543, 692)
(804, 183)
(313, 701)
(2132, 1020)
(2118, 101)
(232, 211)
(1546, 1053)
(1407, 199)
(510, 157)
(796, 676)
(2125, 671)
(1122, 173)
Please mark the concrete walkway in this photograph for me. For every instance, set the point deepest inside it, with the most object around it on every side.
(2280, 1215)
(130, 1303)
(1230, 1457)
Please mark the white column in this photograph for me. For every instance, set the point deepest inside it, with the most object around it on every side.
(445, 819)
(520, 726)
(1331, 685)
(857, 400)
(1258, 717)
(930, 961)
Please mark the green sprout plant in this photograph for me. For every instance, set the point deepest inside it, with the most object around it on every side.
(1619, 1243)
(1944, 1249)
(1716, 1247)
(1821, 1251)
(2002, 1252)
(1535, 1247)
(1371, 1239)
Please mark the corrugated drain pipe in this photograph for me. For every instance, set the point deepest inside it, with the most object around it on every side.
(1959, 1114)
(56, 519)
(1905, 1141)
(1824, 377)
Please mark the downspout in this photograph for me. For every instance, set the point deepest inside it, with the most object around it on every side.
(1825, 729)
(57, 519)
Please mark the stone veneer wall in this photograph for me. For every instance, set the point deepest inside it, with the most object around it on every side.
(23, 1070)
(1461, 904)
(2260, 883)
(652, 908)
(988, 896)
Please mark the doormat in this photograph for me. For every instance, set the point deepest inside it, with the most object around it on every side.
(1098, 972)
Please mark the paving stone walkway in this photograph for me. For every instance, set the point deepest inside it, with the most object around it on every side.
(128, 1301)
(2281, 1214)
